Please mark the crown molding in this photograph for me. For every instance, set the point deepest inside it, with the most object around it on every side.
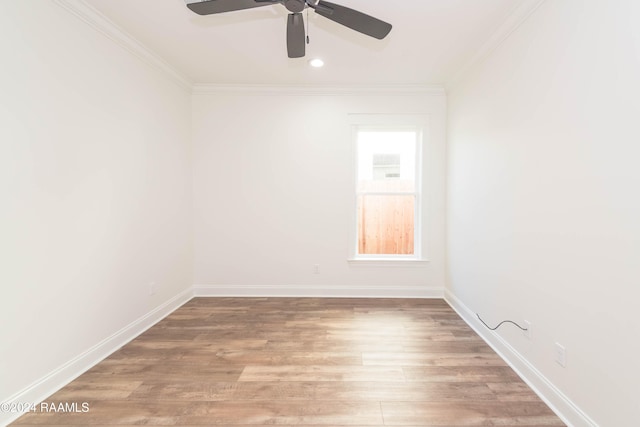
(405, 90)
(517, 17)
(108, 28)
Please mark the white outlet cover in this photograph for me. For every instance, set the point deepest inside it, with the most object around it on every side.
(561, 355)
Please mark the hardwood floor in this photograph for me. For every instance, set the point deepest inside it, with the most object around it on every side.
(304, 362)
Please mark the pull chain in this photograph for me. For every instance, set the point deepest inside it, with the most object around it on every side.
(307, 24)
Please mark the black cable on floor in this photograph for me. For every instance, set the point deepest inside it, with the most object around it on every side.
(499, 324)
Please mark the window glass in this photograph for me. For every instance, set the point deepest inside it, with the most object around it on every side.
(386, 192)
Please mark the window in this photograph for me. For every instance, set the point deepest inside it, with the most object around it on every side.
(388, 170)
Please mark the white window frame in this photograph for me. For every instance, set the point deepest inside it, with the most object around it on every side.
(390, 123)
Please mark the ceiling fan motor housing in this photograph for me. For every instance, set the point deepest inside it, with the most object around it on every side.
(295, 6)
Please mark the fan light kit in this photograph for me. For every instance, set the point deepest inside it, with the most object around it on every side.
(316, 63)
(296, 38)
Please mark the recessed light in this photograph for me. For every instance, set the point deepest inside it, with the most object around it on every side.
(316, 63)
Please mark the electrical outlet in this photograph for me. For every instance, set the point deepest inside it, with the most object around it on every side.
(528, 332)
(561, 355)
(153, 288)
(316, 269)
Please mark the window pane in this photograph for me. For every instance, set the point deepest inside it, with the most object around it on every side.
(386, 161)
(385, 224)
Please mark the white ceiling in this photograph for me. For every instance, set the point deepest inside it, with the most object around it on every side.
(431, 41)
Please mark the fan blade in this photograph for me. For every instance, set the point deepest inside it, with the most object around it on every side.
(295, 35)
(355, 20)
(219, 6)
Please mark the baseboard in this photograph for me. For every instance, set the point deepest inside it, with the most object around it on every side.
(318, 291)
(545, 389)
(55, 380)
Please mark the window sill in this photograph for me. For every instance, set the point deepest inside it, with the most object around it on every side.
(386, 262)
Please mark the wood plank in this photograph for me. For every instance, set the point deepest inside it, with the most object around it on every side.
(431, 359)
(469, 413)
(322, 373)
(313, 390)
(458, 373)
(85, 389)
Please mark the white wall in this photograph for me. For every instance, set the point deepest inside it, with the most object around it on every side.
(273, 173)
(94, 190)
(543, 199)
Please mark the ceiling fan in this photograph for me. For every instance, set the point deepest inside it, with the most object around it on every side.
(350, 18)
